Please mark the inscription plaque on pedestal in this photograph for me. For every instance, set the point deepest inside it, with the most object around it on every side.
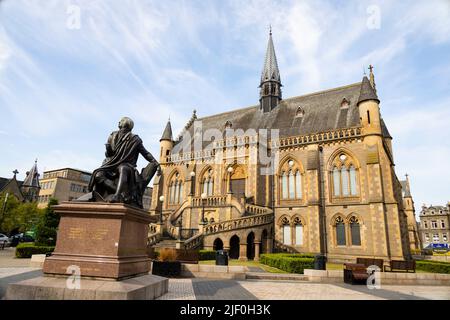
(104, 240)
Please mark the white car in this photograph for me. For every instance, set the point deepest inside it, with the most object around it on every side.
(4, 240)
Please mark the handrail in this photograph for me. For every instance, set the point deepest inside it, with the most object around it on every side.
(244, 222)
(193, 242)
(172, 230)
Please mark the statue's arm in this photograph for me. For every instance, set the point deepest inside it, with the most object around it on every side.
(109, 151)
(147, 155)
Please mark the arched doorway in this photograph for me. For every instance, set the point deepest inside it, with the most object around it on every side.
(263, 246)
(251, 246)
(218, 244)
(234, 247)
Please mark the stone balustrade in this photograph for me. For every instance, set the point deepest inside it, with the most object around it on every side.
(245, 222)
(212, 201)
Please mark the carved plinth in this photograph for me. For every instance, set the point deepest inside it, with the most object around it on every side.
(103, 240)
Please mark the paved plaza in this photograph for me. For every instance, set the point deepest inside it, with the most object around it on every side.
(14, 270)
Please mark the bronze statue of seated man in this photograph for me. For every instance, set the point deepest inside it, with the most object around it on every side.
(118, 180)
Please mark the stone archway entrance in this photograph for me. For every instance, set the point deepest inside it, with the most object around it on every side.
(251, 246)
(234, 247)
(218, 244)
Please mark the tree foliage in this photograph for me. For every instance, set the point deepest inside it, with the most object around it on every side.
(47, 228)
(17, 216)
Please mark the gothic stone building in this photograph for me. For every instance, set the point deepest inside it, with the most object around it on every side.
(333, 189)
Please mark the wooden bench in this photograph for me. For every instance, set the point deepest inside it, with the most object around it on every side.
(399, 265)
(371, 262)
(355, 273)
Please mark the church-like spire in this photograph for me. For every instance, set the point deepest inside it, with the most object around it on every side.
(32, 178)
(167, 134)
(30, 186)
(270, 94)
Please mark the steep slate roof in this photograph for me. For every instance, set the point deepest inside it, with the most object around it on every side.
(322, 111)
(167, 134)
(270, 70)
(405, 188)
(3, 182)
(32, 179)
(367, 92)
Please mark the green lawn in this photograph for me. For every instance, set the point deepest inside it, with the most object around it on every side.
(250, 263)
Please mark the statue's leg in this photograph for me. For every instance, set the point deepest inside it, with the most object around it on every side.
(122, 186)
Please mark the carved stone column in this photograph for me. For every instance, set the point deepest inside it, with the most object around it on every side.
(243, 252)
(257, 246)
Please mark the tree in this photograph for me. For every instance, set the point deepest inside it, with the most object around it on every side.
(16, 216)
(48, 226)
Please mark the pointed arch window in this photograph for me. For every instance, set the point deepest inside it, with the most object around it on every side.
(355, 231)
(291, 185)
(337, 181)
(345, 180)
(286, 232)
(298, 232)
(353, 184)
(291, 181)
(340, 231)
(176, 189)
(284, 185)
(344, 176)
(298, 185)
(208, 183)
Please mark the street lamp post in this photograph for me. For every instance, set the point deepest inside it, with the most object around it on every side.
(204, 196)
(230, 172)
(192, 182)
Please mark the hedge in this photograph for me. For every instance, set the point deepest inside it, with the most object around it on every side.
(26, 250)
(206, 255)
(433, 266)
(292, 263)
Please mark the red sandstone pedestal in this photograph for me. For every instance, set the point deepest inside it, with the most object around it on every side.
(101, 240)
(98, 242)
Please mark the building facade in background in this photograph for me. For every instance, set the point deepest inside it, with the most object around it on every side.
(434, 225)
(63, 184)
(329, 187)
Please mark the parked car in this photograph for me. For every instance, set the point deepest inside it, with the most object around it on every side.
(20, 237)
(4, 240)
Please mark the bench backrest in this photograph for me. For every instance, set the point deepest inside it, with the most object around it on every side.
(403, 265)
(370, 262)
(355, 267)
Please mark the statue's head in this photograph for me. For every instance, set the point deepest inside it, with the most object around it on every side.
(126, 123)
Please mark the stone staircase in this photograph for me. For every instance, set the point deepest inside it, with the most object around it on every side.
(165, 243)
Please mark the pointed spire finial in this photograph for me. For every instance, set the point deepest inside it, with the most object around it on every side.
(270, 29)
(372, 78)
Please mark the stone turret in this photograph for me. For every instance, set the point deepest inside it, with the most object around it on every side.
(166, 143)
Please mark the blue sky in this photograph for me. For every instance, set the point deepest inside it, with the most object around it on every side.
(64, 85)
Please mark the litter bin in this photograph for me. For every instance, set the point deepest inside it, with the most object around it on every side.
(320, 262)
(221, 258)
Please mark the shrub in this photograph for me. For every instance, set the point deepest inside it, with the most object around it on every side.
(292, 263)
(206, 255)
(433, 266)
(167, 254)
(26, 250)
